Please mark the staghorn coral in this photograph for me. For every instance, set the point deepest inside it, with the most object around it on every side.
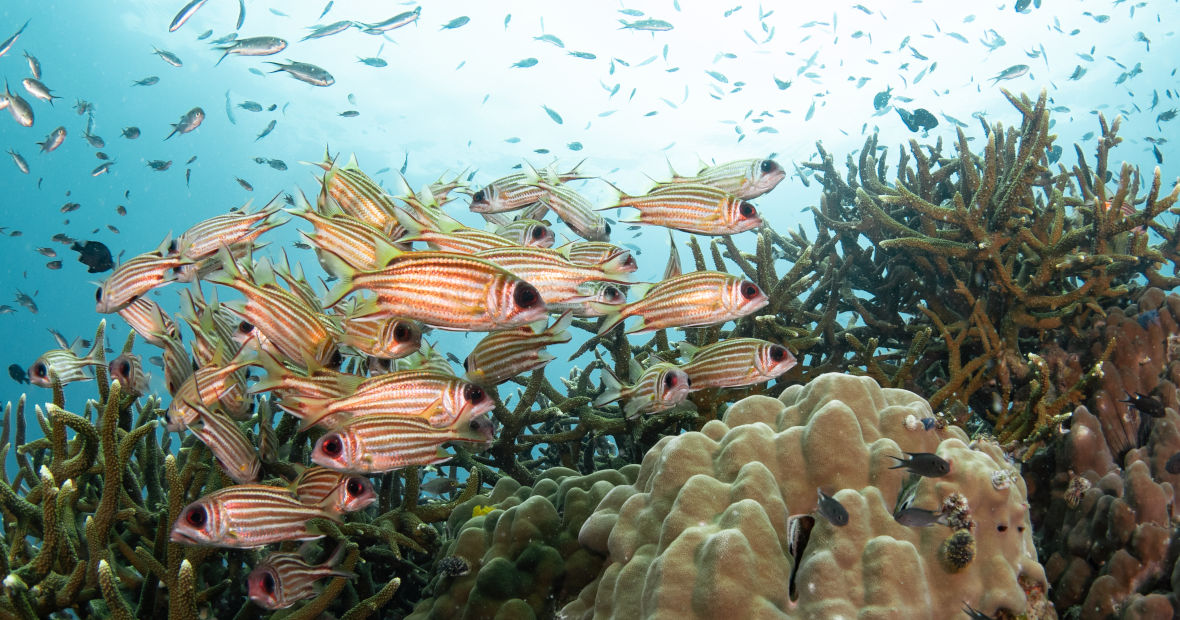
(524, 557)
(704, 529)
(969, 262)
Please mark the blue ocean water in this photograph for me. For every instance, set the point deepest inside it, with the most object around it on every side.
(726, 82)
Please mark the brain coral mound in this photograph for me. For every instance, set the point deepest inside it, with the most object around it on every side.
(523, 555)
(703, 532)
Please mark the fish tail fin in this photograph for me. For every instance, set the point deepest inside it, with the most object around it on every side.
(613, 318)
(900, 461)
(612, 388)
(97, 353)
(346, 275)
(621, 197)
(226, 50)
(671, 171)
(274, 370)
(559, 329)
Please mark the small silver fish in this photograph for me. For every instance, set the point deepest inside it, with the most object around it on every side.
(253, 46)
(168, 57)
(306, 72)
(190, 121)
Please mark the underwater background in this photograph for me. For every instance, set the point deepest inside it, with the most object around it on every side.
(473, 91)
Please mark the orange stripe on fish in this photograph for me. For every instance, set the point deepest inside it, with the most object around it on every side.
(693, 299)
(381, 443)
(735, 362)
(247, 516)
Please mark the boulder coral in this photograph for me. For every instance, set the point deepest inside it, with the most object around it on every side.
(705, 530)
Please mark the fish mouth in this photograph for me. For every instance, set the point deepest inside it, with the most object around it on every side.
(181, 537)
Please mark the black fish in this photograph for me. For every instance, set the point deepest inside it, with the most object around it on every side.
(94, 255)
(907, 118)
(1145, 404)
(923, 464)
(881, 99)
(1172, 466)
(924, 119)
(831, 509)
(17, 373)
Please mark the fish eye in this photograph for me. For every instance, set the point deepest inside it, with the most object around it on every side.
(606, 227)
(629, 262)
(355, 487)
(612, 294)
(480, 423)
(526, 295)
(749, 290)
(669, 380)
(473, 393)
(401, 333)
(778, 353)
(196, 516)
(538, 233)
(747, 209)
(268, 583)
(98, 294)
(245, 327)
(172, 246)
(332, 446)
(125, 368)
(479, 196)
(768, 165)
(40, 370)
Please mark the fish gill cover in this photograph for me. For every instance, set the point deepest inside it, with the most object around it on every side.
(538, 248)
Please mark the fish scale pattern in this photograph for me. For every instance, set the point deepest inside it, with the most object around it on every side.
(705, 530)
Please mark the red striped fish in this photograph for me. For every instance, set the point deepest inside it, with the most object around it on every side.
(736, 361)
(747, 178)
(285, 578)
(204, 239)
(447, 291)
(361, 245)
(696, 298)
(575, 211)
(247, 516)
(147, 318)
(317, 383)
(385, 338)
(320, 486)
(65, 365)
(381, 443)
(445, 234)
(595, 300)
(555, 276)
(227, 442)
(528, 232)
(357, 194)
(128, 369)
(178, 366)
(218, 383)
(660, 387)
(439, 398)
(694, 208)
(609, 256)
(506, 194)
(298, 332)
(135, 278)
(504, 354)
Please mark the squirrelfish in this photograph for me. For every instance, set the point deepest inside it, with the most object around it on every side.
(507, 194)
(600, 253)
(576, 211)
(219, 382)
(320, 486)
(448, 291)
(595, 299)
(439, 398)
(361, 245)
(506, 353)
(385, 338)
(65, 364)
(660, 387)
(693, 299)
(694, 208)
(148, 319)
(382, 442)
(736, 361)
(357, 194)
(322, 383)
(295, 330)
(205, 238)
(527, 232)
(555, 277)
(128, 369)
(227, 442)
(745, 179)
(285, 578)
(247, 516)
(134, 278)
